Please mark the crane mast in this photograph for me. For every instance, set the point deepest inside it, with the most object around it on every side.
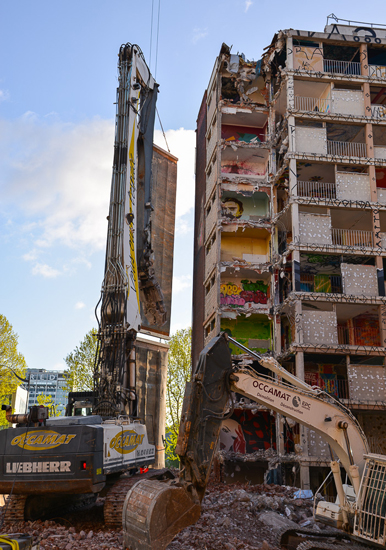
(128, 251)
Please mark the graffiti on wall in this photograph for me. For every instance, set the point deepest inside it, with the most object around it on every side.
(246, 432)
(235, 295)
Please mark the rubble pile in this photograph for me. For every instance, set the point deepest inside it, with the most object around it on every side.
(234, 517)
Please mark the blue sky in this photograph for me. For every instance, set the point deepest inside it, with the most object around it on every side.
(58, 76)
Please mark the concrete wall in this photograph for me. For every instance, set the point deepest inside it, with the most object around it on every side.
(374, 426)
(366, 383)
(151, 372)
(315, 228)
(319, 327)
(359, 280)
(317, 446)
(381, 193)
(311, 140)
(348, 102)
(199, 237)
(353, 186)
(380, 152)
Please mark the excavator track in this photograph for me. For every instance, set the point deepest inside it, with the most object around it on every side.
(115, 498)
(292, 538)
(314, 545)
(14, 508)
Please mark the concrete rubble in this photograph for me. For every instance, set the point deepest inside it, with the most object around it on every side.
(233, 517)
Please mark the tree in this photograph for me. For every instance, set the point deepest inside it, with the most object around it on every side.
(80, 364)
(179, 371)
(47, 401)
(11, 362)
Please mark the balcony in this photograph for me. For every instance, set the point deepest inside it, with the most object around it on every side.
(346, 148)
(378, 111)
(341, 67)
(336, 387)
(352, 237)
(312, 104)
(321, 283)
(316, 189)
(359, 336)
(379, 71)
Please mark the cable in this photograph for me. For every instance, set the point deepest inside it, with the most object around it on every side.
(156, 50)
(151, 30)
(162, 128)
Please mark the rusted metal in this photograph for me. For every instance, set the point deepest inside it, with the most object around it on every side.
(115, 498)
(65, 486)
(155, 511)
(14, 508)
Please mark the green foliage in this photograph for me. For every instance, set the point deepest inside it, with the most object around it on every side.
(179, 371)
(47, 401)
(11, 361)
(80, 364)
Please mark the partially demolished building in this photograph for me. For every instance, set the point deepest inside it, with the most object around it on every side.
(290, 232)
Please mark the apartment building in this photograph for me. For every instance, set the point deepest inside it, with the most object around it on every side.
(290, 232)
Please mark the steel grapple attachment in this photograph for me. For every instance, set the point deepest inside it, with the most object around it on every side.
(155, 511)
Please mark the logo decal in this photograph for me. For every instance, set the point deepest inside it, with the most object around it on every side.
(126, 442)
(296, 401)
(41, 440)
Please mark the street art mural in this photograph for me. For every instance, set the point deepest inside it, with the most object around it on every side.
(244, 134)
(235, 295)
(253, 331)
(246, 432)
(232, 208)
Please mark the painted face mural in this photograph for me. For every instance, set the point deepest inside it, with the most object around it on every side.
(232, 437)
(232, 208)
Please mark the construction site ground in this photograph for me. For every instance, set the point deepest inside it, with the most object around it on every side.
(234, 517)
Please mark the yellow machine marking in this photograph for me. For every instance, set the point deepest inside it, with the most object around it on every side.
(41, 440)
(126, 442)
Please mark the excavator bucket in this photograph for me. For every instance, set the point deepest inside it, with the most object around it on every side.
(154, 512)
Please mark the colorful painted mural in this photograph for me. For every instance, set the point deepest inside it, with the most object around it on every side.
(235, 295)
(244, 134)
(236, 206)
(246, 432)
(253, 331)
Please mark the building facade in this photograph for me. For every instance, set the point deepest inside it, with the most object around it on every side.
(290, 232)
(48, 383)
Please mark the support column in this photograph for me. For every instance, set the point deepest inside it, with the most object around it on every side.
(304, 467)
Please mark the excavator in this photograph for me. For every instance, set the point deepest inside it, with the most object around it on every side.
(155, 511)
(50, 464)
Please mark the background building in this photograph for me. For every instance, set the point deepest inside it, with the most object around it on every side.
(290, 232)
(49, 383)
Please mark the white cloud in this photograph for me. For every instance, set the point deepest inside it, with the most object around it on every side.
(4, 95)
(80, 305)
(182, 144)
(181, 282)
(59, 176)
(198, 34)
(30, 256)
(248, 4)
(45, 270)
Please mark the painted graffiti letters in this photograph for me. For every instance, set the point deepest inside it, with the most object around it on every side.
(248, 293)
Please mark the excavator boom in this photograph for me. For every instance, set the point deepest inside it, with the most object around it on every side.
(208, 401)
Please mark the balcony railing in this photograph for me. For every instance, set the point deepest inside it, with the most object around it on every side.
(379, 71)
(378, 111)
(321, 283)
(346, 148)
(312, 104)
(316, 189)
(359, 336)
(352, 237)
(337, 388)
(341, 67)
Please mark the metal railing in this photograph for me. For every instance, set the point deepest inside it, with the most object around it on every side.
(312, 104)
(359, 336)
(330, 284)
(341, 67)
(379, 71)
(378, 111)
(316, 189)
(352, 237)
(337, 388)
(346, 148)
